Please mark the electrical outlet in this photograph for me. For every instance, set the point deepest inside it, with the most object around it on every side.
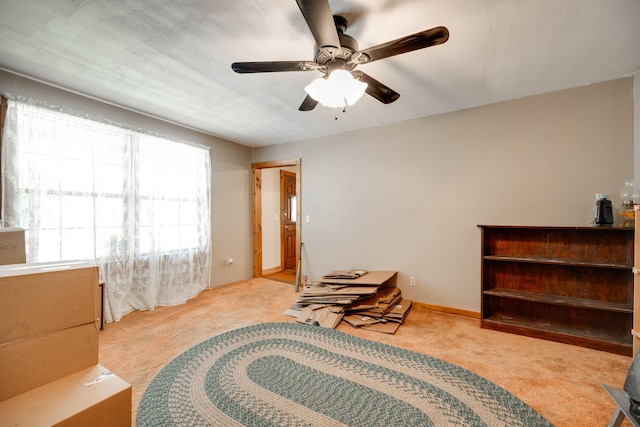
(412, 280)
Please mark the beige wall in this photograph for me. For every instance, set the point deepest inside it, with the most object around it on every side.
(409, 196)
(270, 197)
(230, 164)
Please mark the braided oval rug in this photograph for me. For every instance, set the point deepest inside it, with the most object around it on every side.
(290, 374)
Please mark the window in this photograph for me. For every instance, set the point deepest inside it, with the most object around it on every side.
(136, 204)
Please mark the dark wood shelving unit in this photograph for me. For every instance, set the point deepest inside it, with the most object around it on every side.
(566, 284)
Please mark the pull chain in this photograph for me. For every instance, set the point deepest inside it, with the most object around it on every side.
(344, 110)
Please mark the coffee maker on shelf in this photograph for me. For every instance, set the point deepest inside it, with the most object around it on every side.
(603, 213)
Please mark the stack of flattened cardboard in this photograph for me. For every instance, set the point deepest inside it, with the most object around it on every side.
(362, 299)
(344, 274)
(324, 304)
(384, 314)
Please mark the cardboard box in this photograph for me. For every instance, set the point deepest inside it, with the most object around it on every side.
(32, 362)
(12, 250)
(75, 400)
(45, 297)
(49, 371)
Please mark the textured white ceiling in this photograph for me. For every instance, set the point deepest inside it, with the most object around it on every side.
(172, 59)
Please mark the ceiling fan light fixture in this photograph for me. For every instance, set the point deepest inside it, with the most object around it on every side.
(338, 90)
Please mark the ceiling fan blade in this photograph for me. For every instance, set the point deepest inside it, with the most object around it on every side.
(378, 90)
(432, 37)
(271, 66)
(308, 104)
(319, 18)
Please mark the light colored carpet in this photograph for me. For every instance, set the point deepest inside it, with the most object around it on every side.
(560, 381)
(285, 276)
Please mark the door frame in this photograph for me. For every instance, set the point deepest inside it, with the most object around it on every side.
(256, 202)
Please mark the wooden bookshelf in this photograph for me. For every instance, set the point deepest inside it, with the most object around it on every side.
(568, 284)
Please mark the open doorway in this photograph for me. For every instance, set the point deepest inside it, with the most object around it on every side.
(288, 215)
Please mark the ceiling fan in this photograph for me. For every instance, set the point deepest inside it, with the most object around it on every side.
(336, 50)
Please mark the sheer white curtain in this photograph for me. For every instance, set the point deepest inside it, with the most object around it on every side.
(134, 203)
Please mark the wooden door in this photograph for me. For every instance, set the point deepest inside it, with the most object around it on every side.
(288, 219)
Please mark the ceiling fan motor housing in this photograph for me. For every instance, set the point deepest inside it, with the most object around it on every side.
(326, 55)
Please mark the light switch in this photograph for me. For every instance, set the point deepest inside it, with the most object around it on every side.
(307, 218)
